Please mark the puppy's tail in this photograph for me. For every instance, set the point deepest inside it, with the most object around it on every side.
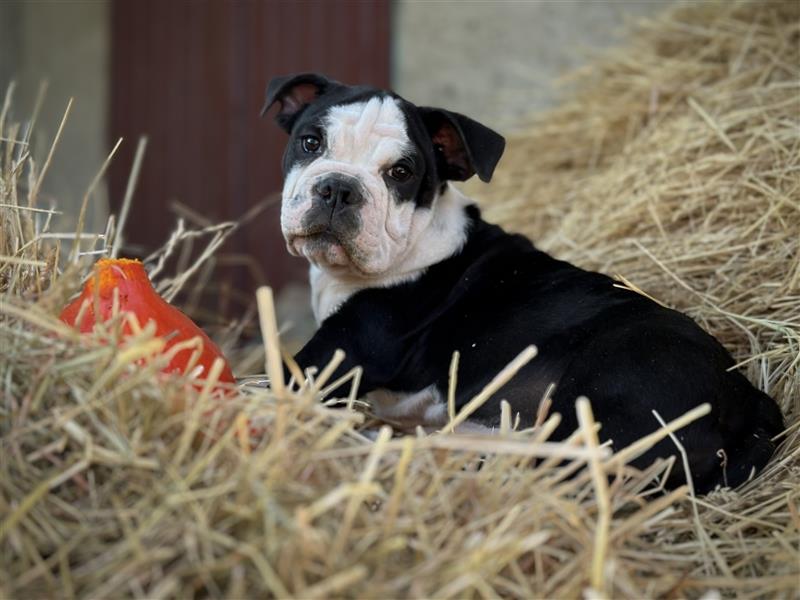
(749, 449)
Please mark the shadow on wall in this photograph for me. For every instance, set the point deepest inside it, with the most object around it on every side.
(65, 45)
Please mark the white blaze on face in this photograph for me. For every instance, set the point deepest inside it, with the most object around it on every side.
(362, 140)
(436, 233)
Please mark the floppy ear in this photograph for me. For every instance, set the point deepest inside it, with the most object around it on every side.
(464, 147)
(293, 93)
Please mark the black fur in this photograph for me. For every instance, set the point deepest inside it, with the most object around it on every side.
(465, 147)
(628, 354)
(294, 93)
(499, 294)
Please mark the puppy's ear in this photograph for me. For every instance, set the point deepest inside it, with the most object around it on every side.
(463, 147)
(293, 93)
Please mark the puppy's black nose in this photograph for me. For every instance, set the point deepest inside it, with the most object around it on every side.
(338, 192)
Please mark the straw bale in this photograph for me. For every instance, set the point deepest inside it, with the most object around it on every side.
(674, 163)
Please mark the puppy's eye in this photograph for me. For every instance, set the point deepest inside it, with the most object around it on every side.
(310, 144)
(399, 173)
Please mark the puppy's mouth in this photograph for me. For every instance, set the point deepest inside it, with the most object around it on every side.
(320, 248)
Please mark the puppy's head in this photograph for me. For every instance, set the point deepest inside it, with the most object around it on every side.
(363, 169)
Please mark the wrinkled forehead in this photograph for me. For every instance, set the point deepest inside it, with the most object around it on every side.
(370, 132)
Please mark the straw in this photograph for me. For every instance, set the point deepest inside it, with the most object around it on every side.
(672, 162)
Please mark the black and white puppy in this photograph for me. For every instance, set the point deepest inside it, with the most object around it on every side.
(404, 272)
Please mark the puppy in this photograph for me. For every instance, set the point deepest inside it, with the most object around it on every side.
(404, 271)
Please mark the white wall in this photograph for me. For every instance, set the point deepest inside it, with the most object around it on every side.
(496, 60)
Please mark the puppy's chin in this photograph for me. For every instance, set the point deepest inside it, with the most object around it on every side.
(322, 250)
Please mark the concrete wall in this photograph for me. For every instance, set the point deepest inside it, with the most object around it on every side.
(497, 60)
(65, 43)
(9, 41)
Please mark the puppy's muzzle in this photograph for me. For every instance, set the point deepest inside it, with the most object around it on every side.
(337, 193)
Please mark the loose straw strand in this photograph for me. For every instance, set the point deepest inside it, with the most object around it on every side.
(269, 331)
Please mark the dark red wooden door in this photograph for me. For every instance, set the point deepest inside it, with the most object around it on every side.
(191, 75)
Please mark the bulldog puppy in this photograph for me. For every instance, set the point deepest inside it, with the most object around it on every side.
(404, 271)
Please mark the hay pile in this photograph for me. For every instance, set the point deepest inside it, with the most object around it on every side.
(675, 165)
